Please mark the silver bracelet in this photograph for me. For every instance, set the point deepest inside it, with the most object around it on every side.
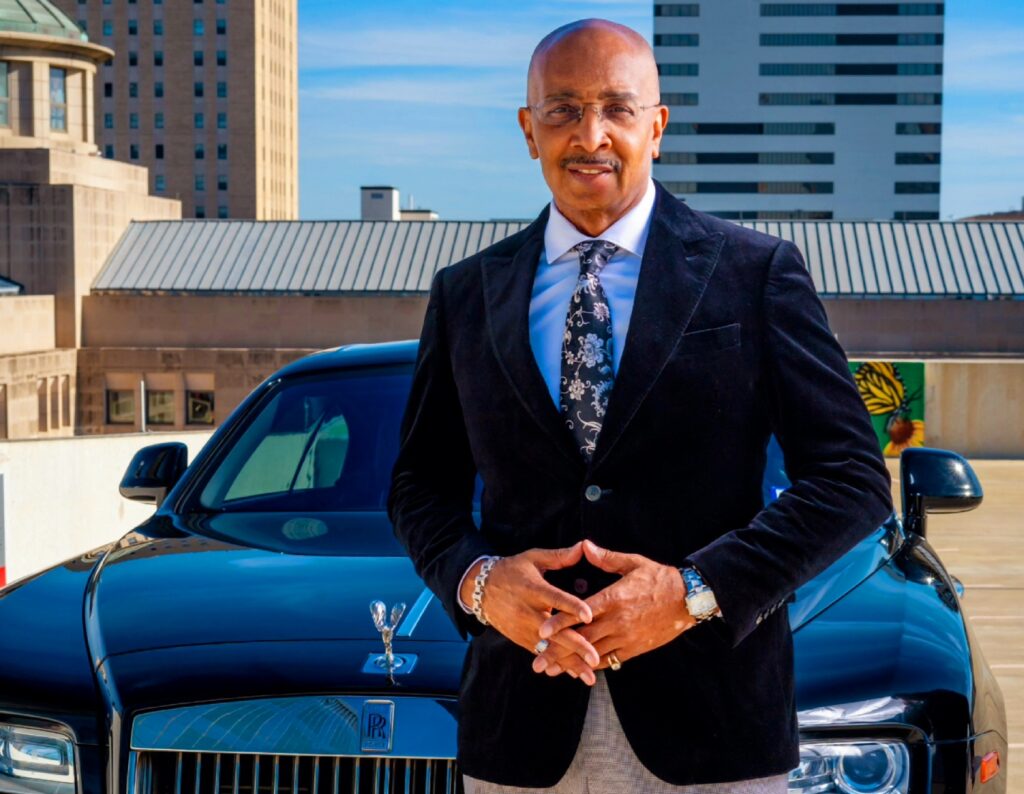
(478, 588)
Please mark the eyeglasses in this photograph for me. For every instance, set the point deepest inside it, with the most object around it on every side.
(562, 112)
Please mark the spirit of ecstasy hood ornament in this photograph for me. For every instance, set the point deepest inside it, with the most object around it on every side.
(379, 612)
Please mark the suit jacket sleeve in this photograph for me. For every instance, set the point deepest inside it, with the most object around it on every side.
(430, 499)
(840, 488)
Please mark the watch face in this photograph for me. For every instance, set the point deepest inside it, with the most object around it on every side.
(701, 603)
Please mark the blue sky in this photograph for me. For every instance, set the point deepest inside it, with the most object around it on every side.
(423, 95)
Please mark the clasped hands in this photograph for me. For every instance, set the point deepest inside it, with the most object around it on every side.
(642, 610)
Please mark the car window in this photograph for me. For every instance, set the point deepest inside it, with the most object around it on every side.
(321, 443)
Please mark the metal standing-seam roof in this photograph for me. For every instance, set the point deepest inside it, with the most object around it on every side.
(850, 259)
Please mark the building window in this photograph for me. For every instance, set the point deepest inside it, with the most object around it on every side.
(5, 96)
(200, 212)
(851, 99)
(676, 10)
(58, 99)
(133, 121)
(161, 183)
(222, 211)
(42, 406)
(133, 27)
(133, 89)
(848, 69)
(916, 187)
(222, 151)
(918, 128)
(197, 121)
(773, 215)
(3, 411)
(741, 128)
(159, 407)
(915, 215)
(108, 151)
(747, 158)
(108, 89)
(133, 59)
(849, 39)
(200, 152)
(851, 9)
(158, 151)
(222, 27)
(133, 151)
(749, 187)
(158, 121)
(222, 182)
(84, 25)
(222, 57)
(676, 40)
(158, 57)
(158, 89)
(158, 27)
(199, 407)
(197, 58)
(222, 89)
(108, 121)
(197, 89)
(679, 69)
(197, 27)
(222, 121)
(200, 182)
(679, 99)
(108, 28)
(918, 158)
(120, 407)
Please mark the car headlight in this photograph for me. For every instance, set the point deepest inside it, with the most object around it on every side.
(852, 767)
(34, 760)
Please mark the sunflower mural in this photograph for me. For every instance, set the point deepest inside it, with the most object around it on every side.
(894, 396)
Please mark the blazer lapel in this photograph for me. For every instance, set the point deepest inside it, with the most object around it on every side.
(508, 285)
(679, 258)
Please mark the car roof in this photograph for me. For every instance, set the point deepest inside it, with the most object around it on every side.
(355, 355)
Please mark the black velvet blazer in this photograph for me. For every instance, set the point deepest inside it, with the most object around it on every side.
(728, 342)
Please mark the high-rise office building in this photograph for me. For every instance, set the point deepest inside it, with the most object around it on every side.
(802, 109)
(204, 93)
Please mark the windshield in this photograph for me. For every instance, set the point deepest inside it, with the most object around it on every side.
(324, 443)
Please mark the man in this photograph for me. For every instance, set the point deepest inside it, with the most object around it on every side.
(624, 587)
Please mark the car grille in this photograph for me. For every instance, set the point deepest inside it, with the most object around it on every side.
(156, 772)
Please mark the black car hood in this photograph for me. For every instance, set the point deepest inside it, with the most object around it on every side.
(183, 589)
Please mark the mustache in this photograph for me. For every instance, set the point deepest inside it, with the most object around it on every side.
(615, 165)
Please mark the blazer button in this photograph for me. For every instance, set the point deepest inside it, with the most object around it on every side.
(580, 586)
(593, 493)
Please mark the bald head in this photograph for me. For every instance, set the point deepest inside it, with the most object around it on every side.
(577, 45)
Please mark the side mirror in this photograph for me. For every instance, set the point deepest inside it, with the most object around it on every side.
(153, 472)
(935, 481)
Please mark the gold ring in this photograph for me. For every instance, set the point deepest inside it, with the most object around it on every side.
(613, 661)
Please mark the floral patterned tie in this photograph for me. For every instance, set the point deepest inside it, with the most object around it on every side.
(586, 378)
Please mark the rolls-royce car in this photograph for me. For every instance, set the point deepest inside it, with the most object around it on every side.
(263, 631)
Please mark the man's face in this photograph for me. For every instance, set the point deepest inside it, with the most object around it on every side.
(596, 168)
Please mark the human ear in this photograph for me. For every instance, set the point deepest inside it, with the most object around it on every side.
(660, 122)
(526, 124)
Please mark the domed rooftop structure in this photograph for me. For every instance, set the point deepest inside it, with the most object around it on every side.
(39, 17)
(47, 73)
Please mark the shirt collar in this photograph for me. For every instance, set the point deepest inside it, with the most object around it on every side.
(629, 232)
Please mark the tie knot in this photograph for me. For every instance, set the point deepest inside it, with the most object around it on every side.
(594, 255)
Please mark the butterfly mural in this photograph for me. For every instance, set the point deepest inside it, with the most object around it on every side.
(897, 410)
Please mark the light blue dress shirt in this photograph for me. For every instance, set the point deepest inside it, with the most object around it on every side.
(558, 271)
(555, 279)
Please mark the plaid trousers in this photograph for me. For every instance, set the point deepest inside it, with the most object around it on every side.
(606, 764)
